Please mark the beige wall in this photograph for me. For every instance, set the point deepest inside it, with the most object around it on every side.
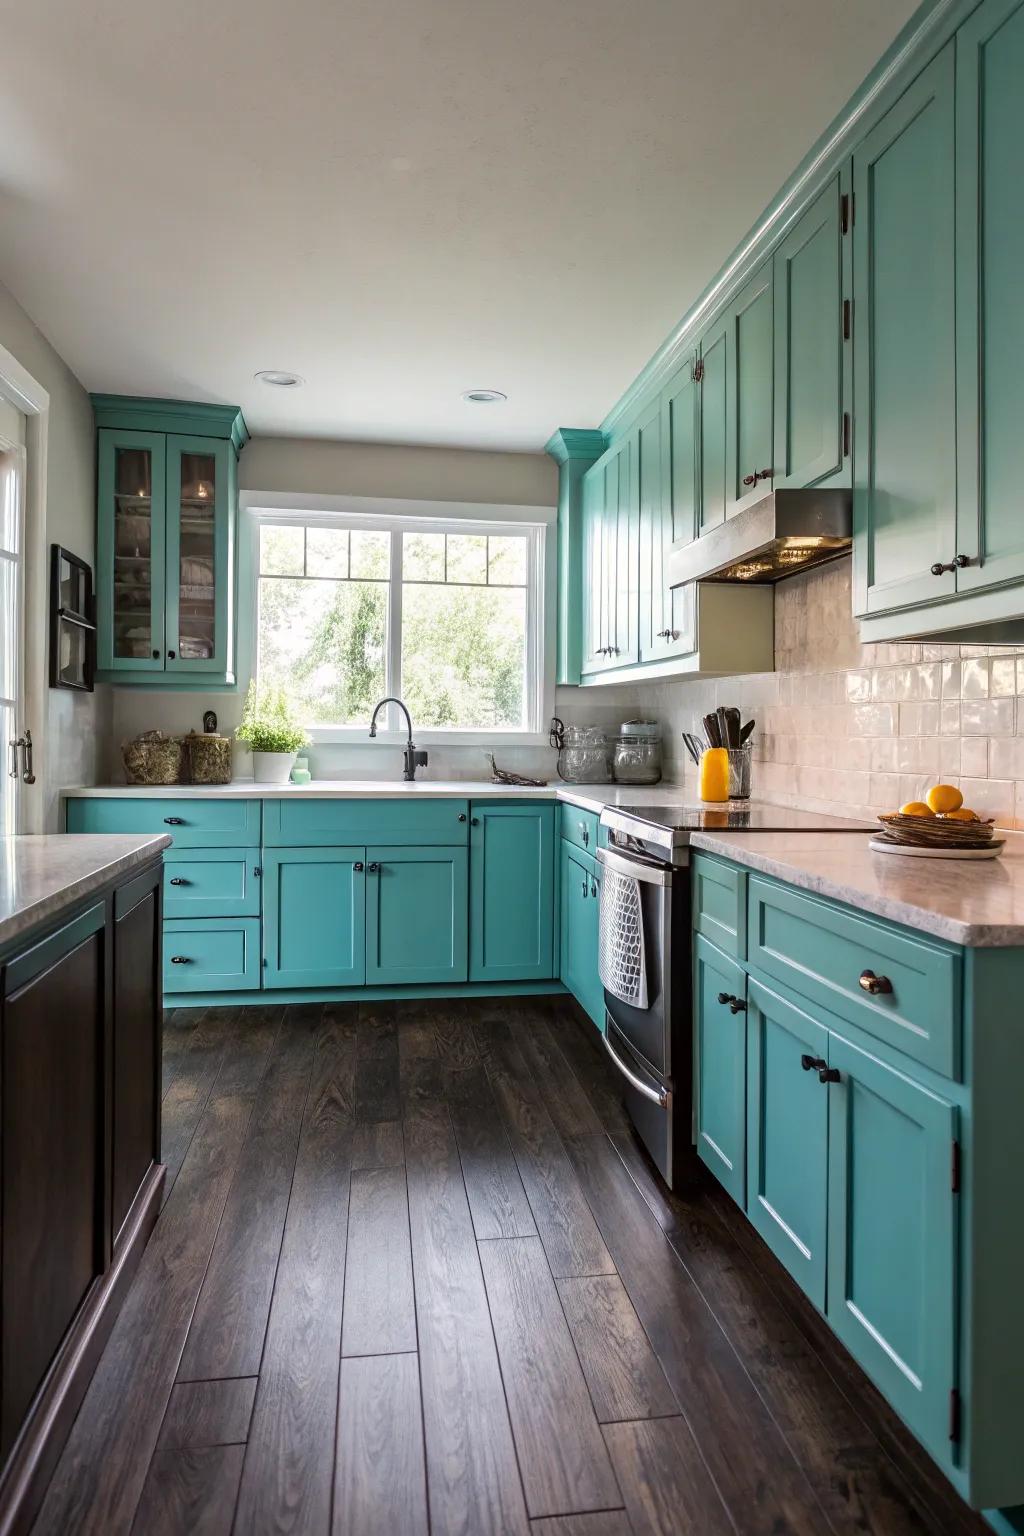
(76, 725)
(313, 466)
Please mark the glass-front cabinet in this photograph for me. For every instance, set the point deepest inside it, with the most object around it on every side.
(165, 544)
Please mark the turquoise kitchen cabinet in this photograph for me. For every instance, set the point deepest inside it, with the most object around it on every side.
(314, 917)
(989, 312)
(892, 1234)
(512, 891)
(166, 508)
(787, 1134)
(594, 596)
(396, 821)
(720, 1026)
(809, 345)
(580, 893)
(611, 565)
(417, 915)
(904, 469)
(218, 822)
(714, 375)
(667, 472)
(749, 400)
(212, 882)
(212, 954)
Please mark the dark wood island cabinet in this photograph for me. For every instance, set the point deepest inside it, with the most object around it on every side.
(80, 1172)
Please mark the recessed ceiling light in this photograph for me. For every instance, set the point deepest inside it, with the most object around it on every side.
(279, 378)
(483, 397)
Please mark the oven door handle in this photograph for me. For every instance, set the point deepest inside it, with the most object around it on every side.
(647, 874)
(656, 1097)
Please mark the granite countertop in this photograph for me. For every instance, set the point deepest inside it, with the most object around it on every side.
(979, 904)
(42, 875)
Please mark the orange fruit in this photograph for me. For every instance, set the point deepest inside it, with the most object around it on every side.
(962, 813)
(916, 808)
(943, 798)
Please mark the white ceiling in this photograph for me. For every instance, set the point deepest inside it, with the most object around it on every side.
(399, 199)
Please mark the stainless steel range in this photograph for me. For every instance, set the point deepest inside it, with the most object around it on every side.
(644, 956)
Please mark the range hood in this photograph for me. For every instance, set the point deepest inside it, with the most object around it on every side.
(786, 532)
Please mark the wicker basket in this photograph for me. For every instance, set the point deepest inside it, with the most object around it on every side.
(206, 759)
(152, 758)
(935, 831)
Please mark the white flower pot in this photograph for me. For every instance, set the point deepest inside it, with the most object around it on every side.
(272, 767)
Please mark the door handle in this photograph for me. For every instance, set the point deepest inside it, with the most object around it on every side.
(661, 1099)
(178, 880)
(829, 1075)
(24, 745)
(813, 1063)
(462, 815)
(358, 866)
(667, 634)
(179, 960)
(759, 474)
(958, 563)
(593, 888)
(174, 821)
(373, 869)
(584, 885)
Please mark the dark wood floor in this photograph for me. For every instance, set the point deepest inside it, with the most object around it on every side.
(414, 1274)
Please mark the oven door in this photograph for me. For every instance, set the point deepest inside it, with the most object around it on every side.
(637, 920)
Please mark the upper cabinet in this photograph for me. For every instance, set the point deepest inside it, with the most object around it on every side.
(735, 377)
(611, 568)
(905, 449)
(166, 510)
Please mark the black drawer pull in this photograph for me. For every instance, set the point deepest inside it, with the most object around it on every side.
(736, 1004)
(462, 815)
(179, 880)
(874, 984)
(372, 869)
(358, 866)
(179, 960)
(812, 1063)
(174, 821)
(828, 1075)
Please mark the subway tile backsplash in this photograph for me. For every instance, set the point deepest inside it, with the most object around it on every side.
(856, 729)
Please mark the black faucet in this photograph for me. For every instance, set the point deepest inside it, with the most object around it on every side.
(413, 758)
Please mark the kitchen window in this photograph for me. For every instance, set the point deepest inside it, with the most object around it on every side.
(446, 614)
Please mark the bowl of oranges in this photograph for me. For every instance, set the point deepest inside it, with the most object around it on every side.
(939, 827)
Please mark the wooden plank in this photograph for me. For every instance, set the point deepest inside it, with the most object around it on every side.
(205, 1413)
(179, 1027)
(472, 1476)
(190, 1493)
(421, 1074)
(93, 1491)
(379, 1481)
(453, 1029)
(666, 1485)
(611, 1522)
(376, 1083)
(580, 1043)
(568, 1105)
(286, 1480)
(496, 1195)
(764, 1487)
(226, 1336)
(562, 1457)
(567, 1229)
(622, 1370)
(380, 1313)
(378, 1145)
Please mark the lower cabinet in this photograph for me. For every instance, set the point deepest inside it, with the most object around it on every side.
(720, 1020)
(212, 954)
(512, 892)
(580, 893)
(416, 915)
(892, 1234)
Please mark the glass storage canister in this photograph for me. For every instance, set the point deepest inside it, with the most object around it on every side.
(583, 754)
(637, 758)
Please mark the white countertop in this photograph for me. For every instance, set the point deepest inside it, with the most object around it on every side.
(592, 796)
(40, 876)
(979, 904)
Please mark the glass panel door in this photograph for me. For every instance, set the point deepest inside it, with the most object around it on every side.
(198, 553)
(130, 560)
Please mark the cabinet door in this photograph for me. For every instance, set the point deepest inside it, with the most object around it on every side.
(904, 470)
(53, 1164)
(808, 295)
(667, 466)
(623, 558)
(130, 550)
(721, 1075)
(713, 456)
(138, 1018)
(417, 915)
(512, 892)
(314, 917)
(990, 315)
(893, 1236)
(749, 403)
(595, 595)
(580, 895)
(787, 1135)
(200, 501)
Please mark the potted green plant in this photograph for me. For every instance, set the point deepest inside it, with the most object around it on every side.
(271, 732)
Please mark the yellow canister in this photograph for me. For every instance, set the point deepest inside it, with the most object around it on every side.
(714, 774)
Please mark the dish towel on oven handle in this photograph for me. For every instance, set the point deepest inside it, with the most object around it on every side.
(621, 952)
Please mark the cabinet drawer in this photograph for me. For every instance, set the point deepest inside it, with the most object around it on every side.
(823, 951)
(211, 882)
(391, 823)
(213, 954)
(720, 904)
(215, 823)
(579, 827)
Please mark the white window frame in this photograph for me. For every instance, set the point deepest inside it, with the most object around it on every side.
(378, 514)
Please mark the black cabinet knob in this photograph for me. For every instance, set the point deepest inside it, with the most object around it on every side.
(958, 563)
(156, 655)
(462, 815)
(474, 821)
(358, 866)
(876, 985)
(812, 1063)
(174, 821)
(178, 880)
(736, 1004)
(828, 1075)
(372, 869)
(171, 655)
(179, 960)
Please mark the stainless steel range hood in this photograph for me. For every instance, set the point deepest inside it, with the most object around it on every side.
(786, 532)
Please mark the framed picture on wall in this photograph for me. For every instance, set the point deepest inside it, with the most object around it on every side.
(72, 622)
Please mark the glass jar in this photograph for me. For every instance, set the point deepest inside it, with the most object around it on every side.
(637, 757)
(739, 772)
(583, 755)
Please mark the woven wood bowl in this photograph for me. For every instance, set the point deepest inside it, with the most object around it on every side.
(935, 832)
